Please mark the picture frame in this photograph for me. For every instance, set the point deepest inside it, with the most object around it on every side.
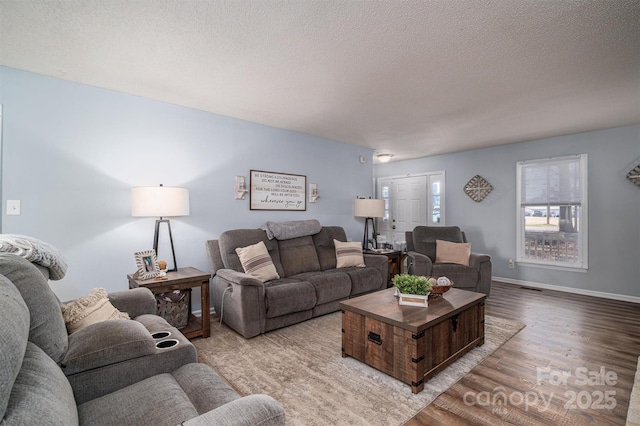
(277, 191)
(147, 264)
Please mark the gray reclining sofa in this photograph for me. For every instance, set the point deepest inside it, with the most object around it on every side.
(310, 285)
(108, 373)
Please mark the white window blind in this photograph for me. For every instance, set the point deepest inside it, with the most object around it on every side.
(552, 212)
(555, 181)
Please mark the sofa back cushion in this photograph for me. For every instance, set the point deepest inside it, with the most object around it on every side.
(424, 238)
(14, 332)
(298, 255)
(41, 393)
(325, 248)
(229, 241)
(47, 329)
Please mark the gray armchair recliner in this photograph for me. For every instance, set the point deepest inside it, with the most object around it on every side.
(421, 258)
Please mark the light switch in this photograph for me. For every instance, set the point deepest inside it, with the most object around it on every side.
(13, 207)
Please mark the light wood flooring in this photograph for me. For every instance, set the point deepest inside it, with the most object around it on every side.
(565, 334)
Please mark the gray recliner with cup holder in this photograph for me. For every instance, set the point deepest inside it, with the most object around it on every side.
(114, 388)
(105, 356)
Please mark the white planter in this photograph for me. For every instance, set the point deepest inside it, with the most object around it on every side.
(413, 300)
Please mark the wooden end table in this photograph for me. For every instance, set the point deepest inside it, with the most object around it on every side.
(412, 343)
(395, 259)
(183, 279)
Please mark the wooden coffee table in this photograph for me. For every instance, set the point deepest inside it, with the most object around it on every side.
(411, 343)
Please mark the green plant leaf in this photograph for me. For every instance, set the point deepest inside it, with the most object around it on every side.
(412, 284)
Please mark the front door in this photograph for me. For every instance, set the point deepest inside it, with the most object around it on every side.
(408, 200)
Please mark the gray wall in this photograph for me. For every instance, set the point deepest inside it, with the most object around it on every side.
(72, 153)
(614, 206)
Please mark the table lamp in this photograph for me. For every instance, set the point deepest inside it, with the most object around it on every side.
(369, 208)
(160, 201)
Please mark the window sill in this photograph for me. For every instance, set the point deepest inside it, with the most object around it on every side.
(552, 266)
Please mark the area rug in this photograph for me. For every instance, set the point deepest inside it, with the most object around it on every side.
(633, 414)
(302, 368)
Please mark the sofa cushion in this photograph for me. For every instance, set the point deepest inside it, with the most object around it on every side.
(153, 401)
(46, 326)
(90, 309)
(41, 393)
(256, 261)
(230, 240)
(14, 317)
(329, 286)
(459, 274)
(348, 254)
(448, 252)
(325, 248)
(298, 255)
(286, 296)
(364, 280)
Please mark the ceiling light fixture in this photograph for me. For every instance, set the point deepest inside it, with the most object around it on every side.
(384, 158)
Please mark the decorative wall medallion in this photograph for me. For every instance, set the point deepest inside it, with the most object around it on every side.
(477, 188)
(634, 175)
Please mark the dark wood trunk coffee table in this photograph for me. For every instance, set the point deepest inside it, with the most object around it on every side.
(411, 343)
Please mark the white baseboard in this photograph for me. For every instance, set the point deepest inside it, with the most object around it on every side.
(602, 294)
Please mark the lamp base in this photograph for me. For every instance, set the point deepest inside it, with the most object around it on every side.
(155, 242)
(366, 233)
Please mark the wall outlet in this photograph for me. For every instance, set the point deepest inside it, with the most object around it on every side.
(512, 264)
(13, 207)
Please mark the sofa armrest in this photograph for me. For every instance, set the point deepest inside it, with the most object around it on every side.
(252, 410)
(105, 343)
(135, 302)
(418, 264)
(476, 259)
(375, 260)
(239, 300)
(379, 262)
(239, 278)
(482, 263)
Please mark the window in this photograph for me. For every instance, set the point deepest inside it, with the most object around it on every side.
(436, 206)
(552, 211)
(384, 193)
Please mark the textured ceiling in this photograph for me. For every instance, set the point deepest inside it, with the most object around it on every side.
(411, 78)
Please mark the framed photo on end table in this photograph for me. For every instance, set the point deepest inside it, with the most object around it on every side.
(147, 264)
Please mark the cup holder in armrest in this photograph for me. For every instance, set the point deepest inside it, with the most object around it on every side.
(161, 334)
(165, 344)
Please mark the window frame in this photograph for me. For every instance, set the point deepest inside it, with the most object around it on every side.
(583, 231)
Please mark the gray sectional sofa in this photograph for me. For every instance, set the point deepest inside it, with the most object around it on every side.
(310, 284)
(108, 373)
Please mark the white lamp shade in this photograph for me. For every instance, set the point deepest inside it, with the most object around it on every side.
(367, 207)
(159, 201)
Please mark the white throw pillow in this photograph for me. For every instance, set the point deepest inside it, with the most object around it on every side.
(256, 261)
(348, 254)
(448, 252)
(90, 309)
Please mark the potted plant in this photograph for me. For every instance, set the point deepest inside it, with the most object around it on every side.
(412, 290)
